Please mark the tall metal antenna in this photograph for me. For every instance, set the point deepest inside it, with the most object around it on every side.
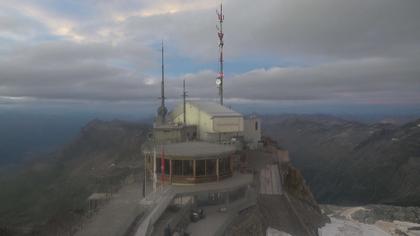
(162, 110)
(163, 80)
(219, 80)
(184, 97)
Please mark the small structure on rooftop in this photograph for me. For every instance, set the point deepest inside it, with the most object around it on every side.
(214, 122)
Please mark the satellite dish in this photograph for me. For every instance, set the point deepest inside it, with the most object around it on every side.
(218, 81)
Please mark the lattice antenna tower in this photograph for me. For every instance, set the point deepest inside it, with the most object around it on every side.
(220, 34)
(184, 99)
(162, 110)
(162, 92)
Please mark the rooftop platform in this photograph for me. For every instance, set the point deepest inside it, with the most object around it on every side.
(213, 109)
(197, 150)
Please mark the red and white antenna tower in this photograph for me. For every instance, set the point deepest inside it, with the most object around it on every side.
(219, 80)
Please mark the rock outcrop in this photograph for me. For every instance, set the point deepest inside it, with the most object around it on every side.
(348, 162)
(48, 195)
(294, 211)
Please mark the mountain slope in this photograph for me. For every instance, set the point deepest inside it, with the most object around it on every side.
(351, 163)
(51, 191)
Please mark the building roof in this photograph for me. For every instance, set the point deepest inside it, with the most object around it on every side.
(197, 150)
(212, 108)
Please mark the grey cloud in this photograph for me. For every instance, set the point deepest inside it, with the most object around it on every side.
(375, 80)
(66, 70)
(62, 52)
(359, 50)
(12, 25)
(18, 26)
(314, 29)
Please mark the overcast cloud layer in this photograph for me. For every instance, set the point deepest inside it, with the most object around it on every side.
(358, 51)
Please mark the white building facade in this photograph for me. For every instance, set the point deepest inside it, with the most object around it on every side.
(217, 123)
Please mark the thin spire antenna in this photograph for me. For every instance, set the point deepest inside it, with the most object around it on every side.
(162, 110)
(220, 34)
(162, 92)
(184, 97)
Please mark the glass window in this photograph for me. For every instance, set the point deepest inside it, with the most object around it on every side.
(187, 168)
(167, 167)
(224, 165)
(211, 167)
(177, 167)
(200, 166)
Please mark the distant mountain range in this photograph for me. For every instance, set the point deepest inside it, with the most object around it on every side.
(346, 162)
(28, 134)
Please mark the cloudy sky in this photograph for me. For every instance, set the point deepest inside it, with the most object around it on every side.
(293, 52)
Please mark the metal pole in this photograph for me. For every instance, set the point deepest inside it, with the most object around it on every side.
(184, 94)
(144, 178)
(154, 169)
(162, 166)
(221, 44)
(163, 81)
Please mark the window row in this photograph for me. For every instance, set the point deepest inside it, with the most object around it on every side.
(186, 167)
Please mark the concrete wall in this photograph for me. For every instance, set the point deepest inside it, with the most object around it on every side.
(252, 131)
(196, 117)
(173, 135)
(167, 135)
(228, 124)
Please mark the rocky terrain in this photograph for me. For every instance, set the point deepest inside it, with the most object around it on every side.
(48, 194)
(293, 212)
(343, 162)
(346, 162)
(381, 220)
(372, 213)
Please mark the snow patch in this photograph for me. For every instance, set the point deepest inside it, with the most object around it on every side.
(339, 227)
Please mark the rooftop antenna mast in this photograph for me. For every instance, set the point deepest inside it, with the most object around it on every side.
(162, 111)
(184, 97)
(162, 92)
(219, 80)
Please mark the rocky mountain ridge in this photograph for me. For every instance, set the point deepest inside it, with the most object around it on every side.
(48, 194)
(346, 162)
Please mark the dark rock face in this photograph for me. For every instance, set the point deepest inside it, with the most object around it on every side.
(276, 211)
(294, 211)
(49, 192)
(348, 162)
